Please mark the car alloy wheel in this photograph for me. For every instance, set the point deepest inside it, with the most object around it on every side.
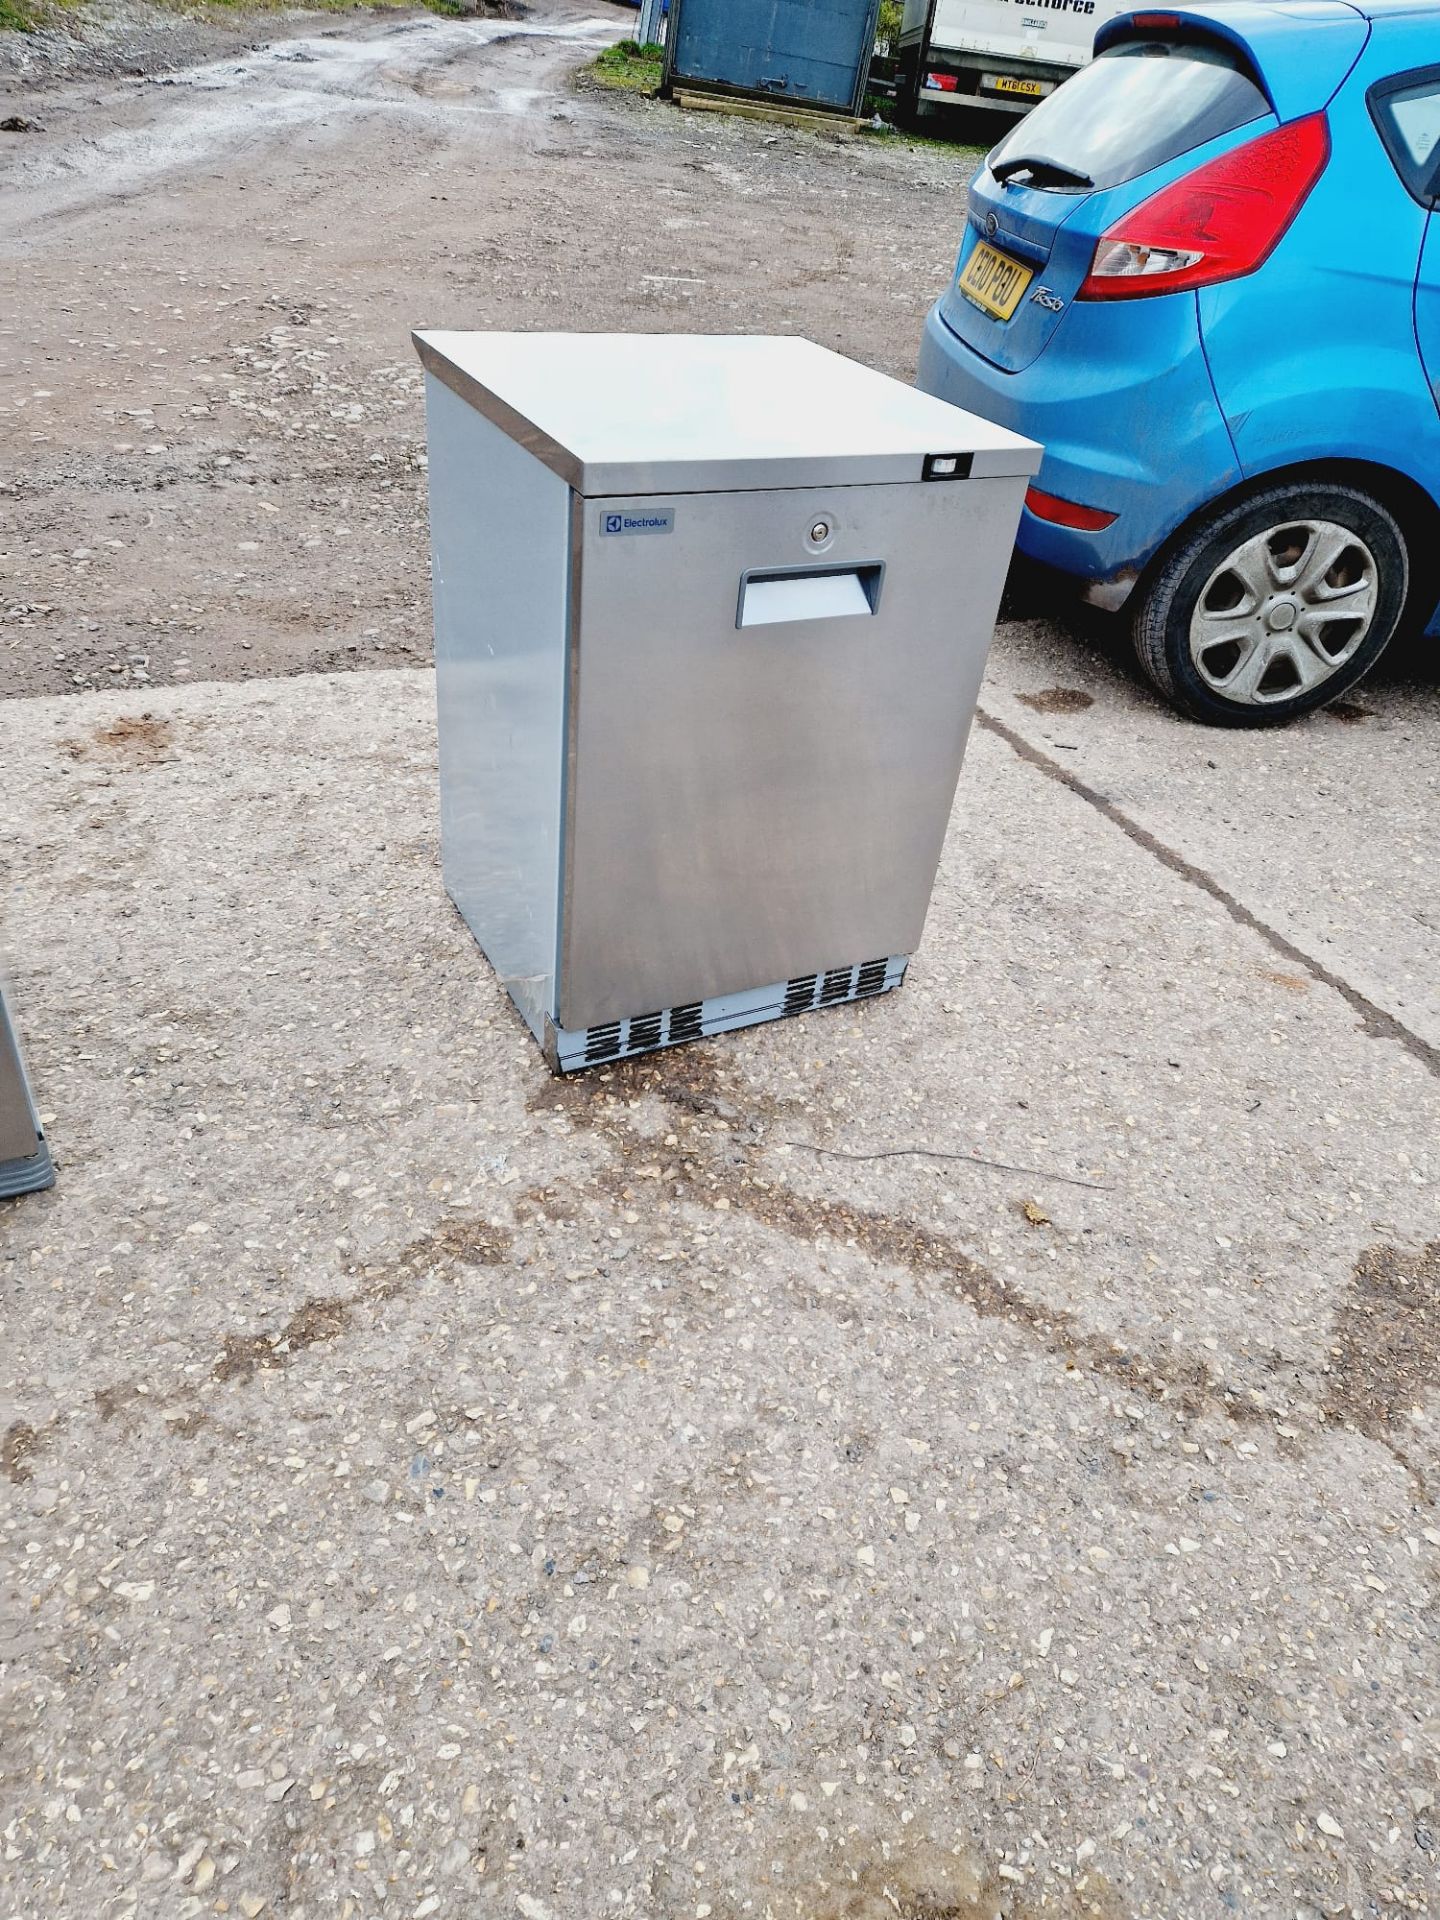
(1283, 612)
(1268, 605)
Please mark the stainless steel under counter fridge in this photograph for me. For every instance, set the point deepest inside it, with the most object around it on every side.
(710, 619)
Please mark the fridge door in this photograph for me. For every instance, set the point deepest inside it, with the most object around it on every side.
(770, 694)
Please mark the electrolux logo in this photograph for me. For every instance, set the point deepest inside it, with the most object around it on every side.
(637, 520)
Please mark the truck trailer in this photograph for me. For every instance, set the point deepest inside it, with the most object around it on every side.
(991, 57)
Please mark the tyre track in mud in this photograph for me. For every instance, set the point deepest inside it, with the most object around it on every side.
(419, 69)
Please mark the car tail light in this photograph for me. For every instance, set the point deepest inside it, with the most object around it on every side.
(942, 82)
(1067, 513)
(1217, 223)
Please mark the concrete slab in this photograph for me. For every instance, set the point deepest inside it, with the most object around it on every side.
(435, 1489)
(1327, 829)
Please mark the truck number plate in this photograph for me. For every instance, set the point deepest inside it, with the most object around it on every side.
(993, 281)
(1013, 83)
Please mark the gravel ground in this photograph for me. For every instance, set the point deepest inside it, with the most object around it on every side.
(432, 1489)
(120, 37)
(230, 432)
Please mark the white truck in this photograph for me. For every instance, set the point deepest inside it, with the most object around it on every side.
(990, 57)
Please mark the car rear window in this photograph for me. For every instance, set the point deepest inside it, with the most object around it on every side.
(1135, 107)
(1407, 112)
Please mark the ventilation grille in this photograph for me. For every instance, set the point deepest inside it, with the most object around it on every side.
(685, 1022)
(800, 994)
(838, 983)
(602, 1043)
(619, 1039)
(644, 1033)
(871, 980)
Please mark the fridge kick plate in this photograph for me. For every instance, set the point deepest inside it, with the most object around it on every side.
(568, 1051)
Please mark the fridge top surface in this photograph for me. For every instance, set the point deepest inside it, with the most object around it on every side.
(627, 413)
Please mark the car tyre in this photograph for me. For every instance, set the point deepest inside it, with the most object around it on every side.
(1274, 605)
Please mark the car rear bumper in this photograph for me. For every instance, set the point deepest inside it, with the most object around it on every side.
(1123, 404)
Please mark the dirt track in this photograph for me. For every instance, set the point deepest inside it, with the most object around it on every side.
(207, 369)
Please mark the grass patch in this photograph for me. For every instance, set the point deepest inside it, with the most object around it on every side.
(892, 136)
(879, 107)
(630, 66)
(24, 16)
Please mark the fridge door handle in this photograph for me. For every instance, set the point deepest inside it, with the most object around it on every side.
(772, 596)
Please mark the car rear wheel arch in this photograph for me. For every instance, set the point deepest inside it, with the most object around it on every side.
(1417, 511)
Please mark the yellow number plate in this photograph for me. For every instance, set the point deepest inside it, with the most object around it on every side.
(1007, 83)
(994, 281)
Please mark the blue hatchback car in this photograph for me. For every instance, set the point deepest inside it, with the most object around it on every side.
(1205, 273)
